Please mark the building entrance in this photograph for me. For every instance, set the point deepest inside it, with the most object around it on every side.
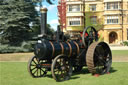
(112, 37)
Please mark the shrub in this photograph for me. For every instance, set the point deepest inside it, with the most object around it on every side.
(125, 43)
(11, 49)
(25, 47)
(101, 38)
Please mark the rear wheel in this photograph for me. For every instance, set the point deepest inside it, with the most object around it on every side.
(99, 58)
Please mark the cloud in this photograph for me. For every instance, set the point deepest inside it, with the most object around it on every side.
(52, 15)
(54, 23)
(44, 6)
(37, 8)
(50, 7)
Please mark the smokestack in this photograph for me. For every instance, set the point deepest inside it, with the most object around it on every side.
(43, 22)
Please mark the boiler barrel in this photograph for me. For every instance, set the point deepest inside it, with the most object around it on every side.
(49, 49)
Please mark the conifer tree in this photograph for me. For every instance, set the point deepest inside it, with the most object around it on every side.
(16, 19)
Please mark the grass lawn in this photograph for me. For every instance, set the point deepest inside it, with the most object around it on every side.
(15, 73)
(120, 53)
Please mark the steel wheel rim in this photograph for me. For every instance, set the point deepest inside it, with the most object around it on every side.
(35, 69)
(61, 68)
(99, 63)
(83, 36)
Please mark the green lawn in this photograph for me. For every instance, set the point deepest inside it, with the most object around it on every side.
(120, 53)
(15, 73)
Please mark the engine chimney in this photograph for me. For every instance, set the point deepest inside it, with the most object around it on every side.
(43, 22)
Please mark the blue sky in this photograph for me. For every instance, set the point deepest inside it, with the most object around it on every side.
(52, 17)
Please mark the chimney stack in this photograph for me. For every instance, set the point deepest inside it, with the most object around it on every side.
(43, 22)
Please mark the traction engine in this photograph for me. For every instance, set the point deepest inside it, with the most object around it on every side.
(64, 55)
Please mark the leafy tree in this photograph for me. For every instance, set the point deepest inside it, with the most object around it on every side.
(88, 18)
(50, 30)
(36, 30)
(16, 18)
(88, 22)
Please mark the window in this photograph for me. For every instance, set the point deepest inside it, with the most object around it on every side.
(108, 5)
(92, 7)
(74, 8)
(115, 6)
(74, 21)
(112, 6)
(94, 20)
(112, 20)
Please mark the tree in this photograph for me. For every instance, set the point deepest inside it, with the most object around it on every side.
(37, 30)
(91, 17)
(16, 18)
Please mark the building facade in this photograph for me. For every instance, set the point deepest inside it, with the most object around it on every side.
(115, 21)
(111, 14)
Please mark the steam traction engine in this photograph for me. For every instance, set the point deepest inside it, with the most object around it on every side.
(62, 56)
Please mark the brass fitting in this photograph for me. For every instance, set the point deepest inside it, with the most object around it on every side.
(43, 10)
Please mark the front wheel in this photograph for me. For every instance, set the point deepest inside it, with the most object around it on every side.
(35, 69)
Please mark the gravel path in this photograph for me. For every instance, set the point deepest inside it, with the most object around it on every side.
(24, 57)
(119, 47)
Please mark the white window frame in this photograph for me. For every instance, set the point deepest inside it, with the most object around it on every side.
(74, 21)
(112, 20)
(112, 6)
(92, 7)
(74, 8)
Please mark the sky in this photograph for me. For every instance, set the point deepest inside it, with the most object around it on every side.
(52, 17)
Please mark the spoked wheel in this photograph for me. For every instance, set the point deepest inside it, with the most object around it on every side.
(35, 69)
(61, 68)
(89, 35)
(99, 58)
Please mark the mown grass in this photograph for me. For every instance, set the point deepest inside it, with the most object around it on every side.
(120, 53)
(15, 73)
